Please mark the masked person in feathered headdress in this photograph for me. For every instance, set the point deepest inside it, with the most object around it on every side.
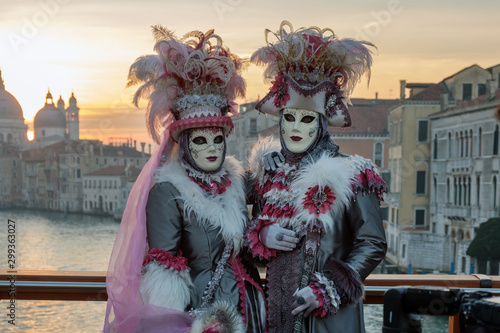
(175, 266)
(318, 225)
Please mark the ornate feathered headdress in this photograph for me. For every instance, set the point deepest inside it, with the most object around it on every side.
(190, 83)
(313, 70)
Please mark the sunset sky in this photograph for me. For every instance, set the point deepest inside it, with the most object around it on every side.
(86, 47)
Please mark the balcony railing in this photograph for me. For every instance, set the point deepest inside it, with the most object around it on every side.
(91, 286)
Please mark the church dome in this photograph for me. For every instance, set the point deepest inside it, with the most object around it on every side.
(9, 106)
(49, 115)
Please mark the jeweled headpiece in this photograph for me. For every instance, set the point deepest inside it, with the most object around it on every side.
(191, 82)
(313, 70)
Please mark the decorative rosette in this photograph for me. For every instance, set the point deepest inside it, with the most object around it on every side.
(318, 201)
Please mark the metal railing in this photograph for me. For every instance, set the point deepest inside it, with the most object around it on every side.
(91, 286)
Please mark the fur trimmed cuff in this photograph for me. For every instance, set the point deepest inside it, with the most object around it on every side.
(326, 295)
(220, 317)
(257, 248)
(165, 280)
(346, 280)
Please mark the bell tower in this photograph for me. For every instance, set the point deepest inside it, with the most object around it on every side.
(72, 119)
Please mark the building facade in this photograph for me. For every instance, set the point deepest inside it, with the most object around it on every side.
(414, 236)
(465, 176)
(54, 174)
(13, 137)
(47, 173)
(106, 191)
(248, 126)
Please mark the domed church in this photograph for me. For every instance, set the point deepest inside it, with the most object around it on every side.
(55, 123)
(12, 127)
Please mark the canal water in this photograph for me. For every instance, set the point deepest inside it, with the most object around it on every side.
(52, 241)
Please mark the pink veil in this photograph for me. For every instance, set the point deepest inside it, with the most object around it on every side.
(126, 311)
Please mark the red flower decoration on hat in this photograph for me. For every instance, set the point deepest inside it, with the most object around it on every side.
(317, 200)
(280, 91)
(314, 44)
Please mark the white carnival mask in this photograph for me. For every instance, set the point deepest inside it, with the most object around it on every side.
(299, 129)
(206, 146)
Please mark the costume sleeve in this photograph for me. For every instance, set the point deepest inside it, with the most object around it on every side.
(165, 281)
(368, 249)
(369, 241)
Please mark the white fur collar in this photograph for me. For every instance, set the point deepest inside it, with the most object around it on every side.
(337, 173)
(226, 210)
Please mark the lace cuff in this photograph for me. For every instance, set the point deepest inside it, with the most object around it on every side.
(257, 248)
(326, 295)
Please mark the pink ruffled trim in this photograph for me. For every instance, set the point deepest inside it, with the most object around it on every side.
(165, 258)
(257, 248)
(241, 275)
(321, 311)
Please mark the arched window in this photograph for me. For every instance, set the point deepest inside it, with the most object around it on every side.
(480, 142)
(495, 141)
(449, 145)
(1, 137)
(455, 191)
(478, 190)
(494, 194)
(461, 144)
(448, 191)
(457, 146)
(466, 138)
(379, 154)
(471, 143)
(469, 189)
(9, 138)
(435, 146)
(435, 189)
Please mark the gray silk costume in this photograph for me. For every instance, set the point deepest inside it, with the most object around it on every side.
(184, 219)
(351, 238)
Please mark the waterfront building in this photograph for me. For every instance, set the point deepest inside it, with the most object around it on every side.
(12, 138)
(248, 126)
(55, 123)
(465, 167)
(414, 238)
(47, 172)
(369, 134)
(54, 174)
(12, 126)
(105, 191)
